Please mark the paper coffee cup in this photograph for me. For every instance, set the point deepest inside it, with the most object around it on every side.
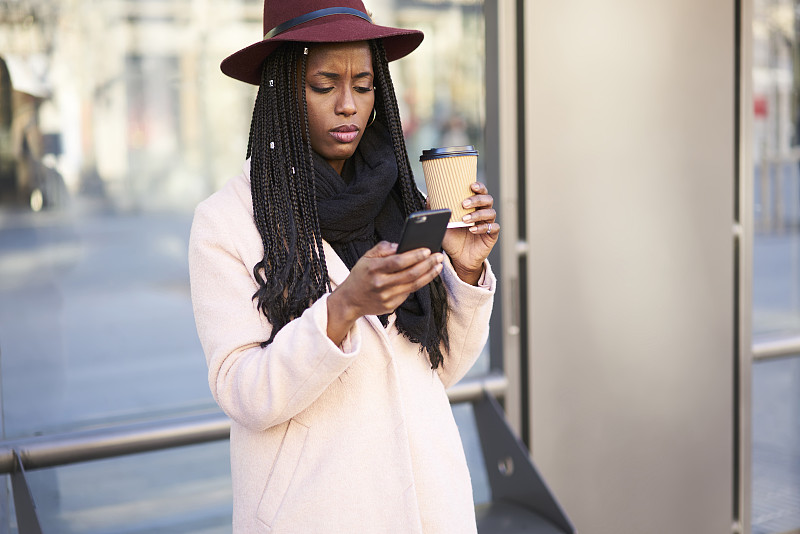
(449, 172)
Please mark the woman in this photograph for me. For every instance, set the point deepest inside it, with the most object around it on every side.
(329, 352)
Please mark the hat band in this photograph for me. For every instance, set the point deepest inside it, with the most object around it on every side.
(291, 23)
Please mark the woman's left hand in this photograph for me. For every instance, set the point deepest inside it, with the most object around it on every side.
(469, 247)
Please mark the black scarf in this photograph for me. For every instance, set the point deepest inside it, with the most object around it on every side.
(362, 207)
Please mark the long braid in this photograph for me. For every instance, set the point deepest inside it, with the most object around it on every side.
(298, 285)
(320, 267)
(291, 275)
(388, 113)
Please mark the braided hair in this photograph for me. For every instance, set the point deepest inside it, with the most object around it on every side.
(293, 274)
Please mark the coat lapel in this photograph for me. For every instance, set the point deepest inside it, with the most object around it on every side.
(337, 270)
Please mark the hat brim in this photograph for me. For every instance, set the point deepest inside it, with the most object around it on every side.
(245, 65)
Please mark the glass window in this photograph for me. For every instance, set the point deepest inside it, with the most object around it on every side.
(440, 87)
(776, 264)
(776, 446)
(185, 490)
(776, 149)
(115, 121)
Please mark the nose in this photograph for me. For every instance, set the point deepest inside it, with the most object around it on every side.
(346, 103)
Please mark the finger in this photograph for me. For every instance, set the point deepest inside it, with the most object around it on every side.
(487, 215)
(428, 276)
(401, 283)
(490, 228)
(424, 279)
(419, 270)
(382, 249)
(400, 262)
(478, 188)
(478, 201)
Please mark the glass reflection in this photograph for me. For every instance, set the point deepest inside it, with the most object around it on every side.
(776, 263)
(776, 148)
(185, 490)
(776, 446)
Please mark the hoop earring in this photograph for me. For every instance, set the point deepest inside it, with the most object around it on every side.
(372, 118)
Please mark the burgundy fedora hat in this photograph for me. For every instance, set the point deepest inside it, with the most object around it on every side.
(315, 21)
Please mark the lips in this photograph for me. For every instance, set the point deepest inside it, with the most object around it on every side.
(346, 133)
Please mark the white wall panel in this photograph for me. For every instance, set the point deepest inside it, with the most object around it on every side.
(629, 168)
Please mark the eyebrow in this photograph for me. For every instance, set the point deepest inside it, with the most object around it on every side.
(335, 76)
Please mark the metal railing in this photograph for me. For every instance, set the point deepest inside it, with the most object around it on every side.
(778, 348)
(120, 440)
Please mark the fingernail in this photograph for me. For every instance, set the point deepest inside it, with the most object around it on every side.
(466, 218)
(476, 186)
(473, 229)
(466, 203)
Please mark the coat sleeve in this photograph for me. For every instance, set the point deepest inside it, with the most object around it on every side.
(257, 387)
(468, 321)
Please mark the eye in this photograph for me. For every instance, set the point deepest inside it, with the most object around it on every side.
(361, 89)
(321, 90)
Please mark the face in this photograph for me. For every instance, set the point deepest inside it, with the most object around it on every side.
(340, 98)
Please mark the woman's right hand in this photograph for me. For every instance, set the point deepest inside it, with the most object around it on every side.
(379, 282)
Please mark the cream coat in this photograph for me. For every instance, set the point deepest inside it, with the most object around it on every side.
(353, 439)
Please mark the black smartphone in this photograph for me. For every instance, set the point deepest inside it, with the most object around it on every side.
(424, 229)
